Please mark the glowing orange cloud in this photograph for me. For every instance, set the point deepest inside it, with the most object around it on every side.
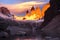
(21, 7)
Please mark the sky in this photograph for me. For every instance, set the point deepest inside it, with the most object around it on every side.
(19, 1)
(18, 6)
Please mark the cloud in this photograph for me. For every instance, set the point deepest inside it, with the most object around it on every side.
(21, 7)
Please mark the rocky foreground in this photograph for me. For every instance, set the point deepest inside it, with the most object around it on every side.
(25, 30)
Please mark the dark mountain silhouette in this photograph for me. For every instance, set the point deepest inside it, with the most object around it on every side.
(32, 8)
(51, 23)
(4, 22)
(50, 13)
(5, 11)
(27, 11)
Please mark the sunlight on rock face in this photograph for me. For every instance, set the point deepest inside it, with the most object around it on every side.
(34, 14)
(45, 8)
